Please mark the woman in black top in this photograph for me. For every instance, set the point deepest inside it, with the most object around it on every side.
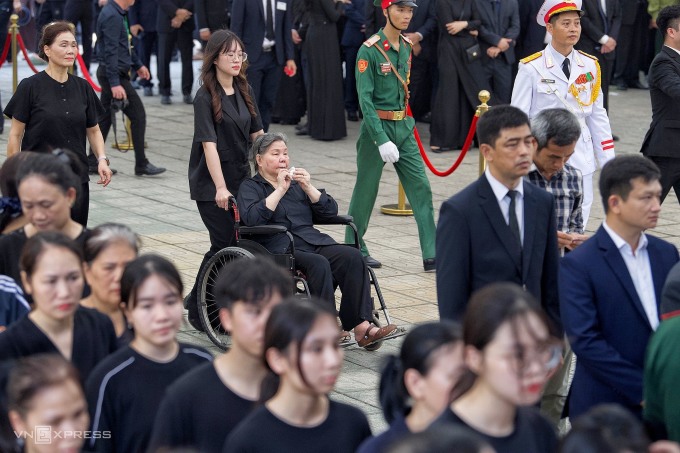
(53, 109)
(326, 111)
(45, 398)
(226, 120)
(108, 249)
(278, 195)
(511, 351)
(301, 350)
(459, 78)
(125, 390)
(417, 385)
(51, 270)
(47, 190)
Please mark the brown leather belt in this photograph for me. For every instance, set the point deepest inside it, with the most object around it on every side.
(391, 115)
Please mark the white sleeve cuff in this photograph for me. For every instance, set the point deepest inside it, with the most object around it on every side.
(604, 39)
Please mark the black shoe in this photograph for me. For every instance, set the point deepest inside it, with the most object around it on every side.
(621, 86)
(188, 99)
(352, 116)
(372, 262)
(165, 99)
(429, 265)
(288, 121)
(148, 91)
(149, 169)
(192, 313)
(95, 170)
(427, 118)
(302, 131)
(300, 126)
(615, 138)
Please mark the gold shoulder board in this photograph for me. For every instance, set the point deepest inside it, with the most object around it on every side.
(372, 40)
(531, 57)
(407, 40)
(588, 55)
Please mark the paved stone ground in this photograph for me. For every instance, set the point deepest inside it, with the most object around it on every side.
(159, 209)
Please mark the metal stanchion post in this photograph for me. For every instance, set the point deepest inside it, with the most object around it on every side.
(484, 97)
(14, 30)
(401, 208)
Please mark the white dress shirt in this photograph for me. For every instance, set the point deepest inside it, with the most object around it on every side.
(269, 43)
(640, 272)
(501, 193)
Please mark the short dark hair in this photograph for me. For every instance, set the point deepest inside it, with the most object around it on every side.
(618, 174)
(60, 168)
(140, 269)
(606, 428)
(559, 125)
(668, 17)
(251, 281)
(50, 33)
(501, 117)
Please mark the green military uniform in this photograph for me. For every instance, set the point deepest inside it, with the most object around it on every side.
(380, 89)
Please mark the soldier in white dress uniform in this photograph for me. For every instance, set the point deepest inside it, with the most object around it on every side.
(562, 77)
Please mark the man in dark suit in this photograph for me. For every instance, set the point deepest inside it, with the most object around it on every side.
(600, 27)
(265, 28)
(497, 38)
(422, 31)
(660, 143)
(175, 25)
(632, 42)
(499, 228)
(142, 17)
(531, 35)
(352, 38)
(211, 15)
(610, 288)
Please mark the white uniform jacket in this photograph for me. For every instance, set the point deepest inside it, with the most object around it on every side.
(541, 84)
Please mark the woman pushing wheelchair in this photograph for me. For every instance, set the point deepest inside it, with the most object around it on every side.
(283, 195)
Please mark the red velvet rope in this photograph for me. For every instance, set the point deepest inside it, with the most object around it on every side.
(20, 40)
(463, 152)
(87, 75)
(5, 50)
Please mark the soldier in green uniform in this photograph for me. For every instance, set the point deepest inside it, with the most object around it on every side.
(386, 135)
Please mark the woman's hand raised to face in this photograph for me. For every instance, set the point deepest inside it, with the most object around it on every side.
(303, 178)
(283, 179)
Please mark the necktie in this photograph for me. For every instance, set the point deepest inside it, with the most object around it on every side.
(512, 217)
(565, 68)
(269, 21)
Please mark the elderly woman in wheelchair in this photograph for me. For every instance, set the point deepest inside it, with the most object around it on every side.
(283, 195)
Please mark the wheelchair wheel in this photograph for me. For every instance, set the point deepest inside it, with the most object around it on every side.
(207, 306)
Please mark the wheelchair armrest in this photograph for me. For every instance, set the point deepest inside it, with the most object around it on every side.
(336, 220)
(263, 229)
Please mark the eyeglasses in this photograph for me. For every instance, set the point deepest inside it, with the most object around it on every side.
(547, 355)
(233, 56)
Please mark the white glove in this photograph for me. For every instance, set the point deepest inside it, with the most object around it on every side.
(389, 152)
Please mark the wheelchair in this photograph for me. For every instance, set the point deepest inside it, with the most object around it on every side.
(247, 248)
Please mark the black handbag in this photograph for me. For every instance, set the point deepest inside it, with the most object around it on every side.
(473, 52)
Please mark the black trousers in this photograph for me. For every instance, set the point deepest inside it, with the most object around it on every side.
(134, 111)
(499, 79)
(670, 175)
(421, 88)
(146, 44)
(184, 40)
(345, 266)
(48, 12)
(351, 96)
(81, 11)
(632, 41)
(220, 225)
(81, 208)
(264, 77)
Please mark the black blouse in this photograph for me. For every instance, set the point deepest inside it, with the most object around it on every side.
(232, 137)
(57, 115)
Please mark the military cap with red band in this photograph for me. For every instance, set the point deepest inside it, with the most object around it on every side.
(552, 7)
(384, 4)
